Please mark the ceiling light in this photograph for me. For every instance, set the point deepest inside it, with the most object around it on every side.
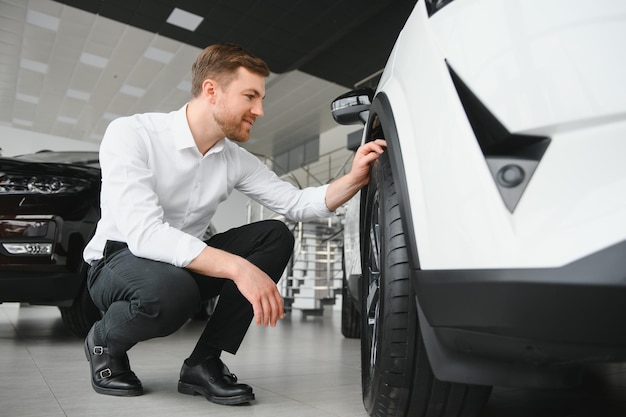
(184, 19)
(27, 98)
(22, 122)
(42, 20)
(158, 55)
(184, 85)
(29, 64)
(110, 116)
(68, 120)
(78, 95)
(93, 60)
(129, 90)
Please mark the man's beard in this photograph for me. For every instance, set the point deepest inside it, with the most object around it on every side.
(232, 126)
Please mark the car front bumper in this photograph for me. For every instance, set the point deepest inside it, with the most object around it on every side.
(41, 259)
(36, 285)
(524, 327)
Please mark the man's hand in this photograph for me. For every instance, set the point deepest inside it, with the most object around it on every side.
(252, 282)
(261, 291)
(364, 158)
(344, 188)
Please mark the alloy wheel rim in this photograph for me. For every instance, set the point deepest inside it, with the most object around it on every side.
(373, 285)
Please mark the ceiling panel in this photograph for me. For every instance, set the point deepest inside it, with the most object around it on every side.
(289, 35)
(69, 67)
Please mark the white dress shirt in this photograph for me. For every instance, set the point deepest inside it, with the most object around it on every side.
(159, 192)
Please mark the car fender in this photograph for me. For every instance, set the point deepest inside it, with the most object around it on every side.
(573, 205)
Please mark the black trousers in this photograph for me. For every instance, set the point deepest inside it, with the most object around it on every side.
(143, 299)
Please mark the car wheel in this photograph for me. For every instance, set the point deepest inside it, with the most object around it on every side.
(81, 315)
(397, 379)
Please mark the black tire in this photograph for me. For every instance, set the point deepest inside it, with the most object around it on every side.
(350, 317)
(81, 315)
(397, 379)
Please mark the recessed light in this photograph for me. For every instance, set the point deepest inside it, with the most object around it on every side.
(110, 116)
(129, 90)
(42, 20)
(158, 55)
(184, 85)
(27, 98)
(184, 19)
(93, 60)
(29, 64)
(22, 122)
(78, 95)
(68, 120)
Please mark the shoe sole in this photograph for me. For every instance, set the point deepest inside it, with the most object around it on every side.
(190, 389)
(110, 391)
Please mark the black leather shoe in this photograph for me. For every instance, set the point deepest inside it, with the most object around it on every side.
(110, 375)
(212, 379)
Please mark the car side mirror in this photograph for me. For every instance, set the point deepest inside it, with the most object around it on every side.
(352, 107)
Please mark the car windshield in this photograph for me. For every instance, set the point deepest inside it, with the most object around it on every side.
(75, 158)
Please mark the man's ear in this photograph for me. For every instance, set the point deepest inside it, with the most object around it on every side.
(209, 88)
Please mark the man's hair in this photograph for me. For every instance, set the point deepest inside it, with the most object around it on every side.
(220, 62)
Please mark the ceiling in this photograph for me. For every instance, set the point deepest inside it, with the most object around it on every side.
(69, 67)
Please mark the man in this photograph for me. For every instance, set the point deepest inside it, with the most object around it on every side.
(163, 176)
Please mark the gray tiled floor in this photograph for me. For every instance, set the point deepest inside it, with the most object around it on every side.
(301, 368)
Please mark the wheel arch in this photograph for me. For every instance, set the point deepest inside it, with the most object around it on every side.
(382, 113)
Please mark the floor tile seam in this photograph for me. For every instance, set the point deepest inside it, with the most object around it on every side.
(314, 372)
(8, 318)
(41, 374)
(307, 390)
(286, 396)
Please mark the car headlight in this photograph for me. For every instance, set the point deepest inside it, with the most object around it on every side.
(40, 184)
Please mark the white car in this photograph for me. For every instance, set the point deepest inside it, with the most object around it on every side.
(490, 246)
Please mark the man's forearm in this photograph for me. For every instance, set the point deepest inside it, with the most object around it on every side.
(252, 282)
(215, 263)
(342, 190)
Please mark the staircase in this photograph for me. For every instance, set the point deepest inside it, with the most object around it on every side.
(314, 275)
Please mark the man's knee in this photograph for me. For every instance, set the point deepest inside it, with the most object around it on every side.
(282, 234)
(170, 302)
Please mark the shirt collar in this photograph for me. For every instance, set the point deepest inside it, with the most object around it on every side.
(183, 139)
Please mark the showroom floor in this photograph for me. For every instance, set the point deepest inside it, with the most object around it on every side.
(301, 368)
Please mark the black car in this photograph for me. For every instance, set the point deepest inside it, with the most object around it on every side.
(49, 207)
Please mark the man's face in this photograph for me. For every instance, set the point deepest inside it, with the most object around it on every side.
(239, 104)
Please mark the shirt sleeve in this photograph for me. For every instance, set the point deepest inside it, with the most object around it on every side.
(128, 195)
(263, 186)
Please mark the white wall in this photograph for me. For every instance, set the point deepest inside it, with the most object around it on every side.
(232, 212)
(336, 138)
(18, 141)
